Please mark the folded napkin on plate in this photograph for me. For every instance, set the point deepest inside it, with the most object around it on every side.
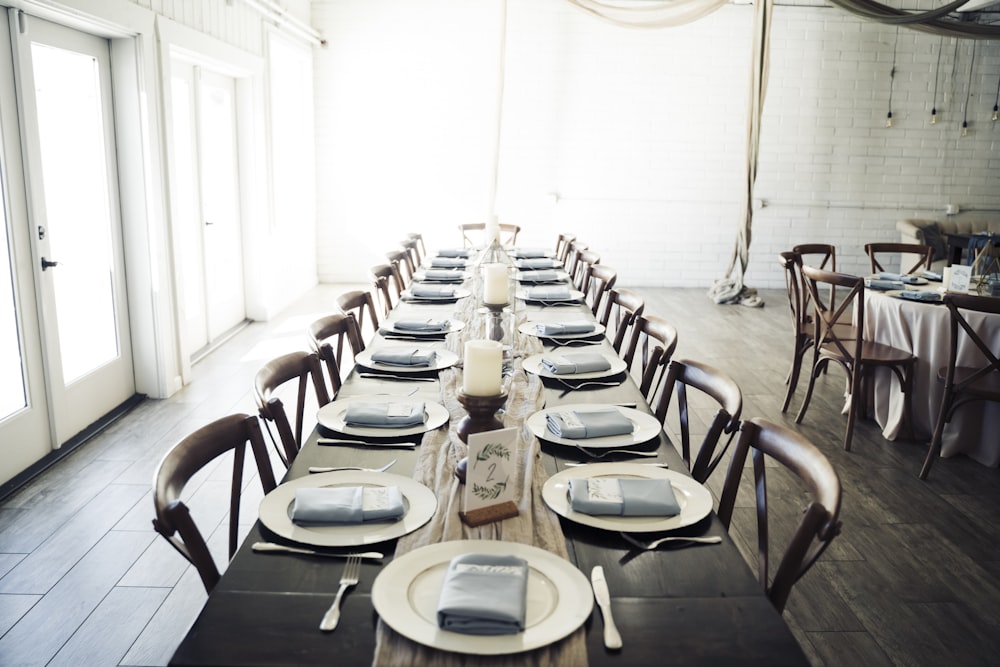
(432, 291)
(409, 356)
(347, 504)
(448, 263)
(562, 328)
(575, 362)
(384, 414)
(539, 276)
(454, 252)
(484, 594)
(579, 425)
(421, 325)
(873, 283)
(932, 275)
(914, 295)
(549, 293)
(899, 278)
(449, 275)
(623, 496)
(537, 263)
(530, 253)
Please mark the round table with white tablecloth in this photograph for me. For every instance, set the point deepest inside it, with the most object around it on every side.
(923, 329)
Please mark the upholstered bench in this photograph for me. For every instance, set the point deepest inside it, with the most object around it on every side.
(935, 233)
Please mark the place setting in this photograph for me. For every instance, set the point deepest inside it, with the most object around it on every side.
(543, 277)
(433, 293)
(886, 281)
(550, 295)
(432, 275)
(597, 430)
(378, 420)
(577, 370)
(418, 328)
(537, 263)
(414, 362)
(565, 333)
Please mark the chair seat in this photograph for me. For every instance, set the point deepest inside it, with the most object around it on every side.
(872, 354)
(986, 388)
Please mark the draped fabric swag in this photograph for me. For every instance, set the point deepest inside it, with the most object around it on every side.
(666, 14)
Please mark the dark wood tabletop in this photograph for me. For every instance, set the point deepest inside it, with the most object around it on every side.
(692, 606)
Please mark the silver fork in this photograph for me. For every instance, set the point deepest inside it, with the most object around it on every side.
(336, 468)
(604, 452)
(350, 578)
(714, 539)
(573, 386)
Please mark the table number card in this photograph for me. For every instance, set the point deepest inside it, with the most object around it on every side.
(958, 279)
(490, 478)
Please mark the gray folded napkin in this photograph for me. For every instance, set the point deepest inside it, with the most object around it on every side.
(484, 594)
(539, 276)
(537, 263)
(919, 296)
(552, 293)
(899, 277)
(873, 283)
(575, 362)
(562, 328)
(408, 356)
(444, 275)
(579, 425)
(623, 496)
(432, 291)
(454, 252)
(384, 414)
(421, 325)
(530, 253)
(448, 263)
(347, 504)
(932, 275)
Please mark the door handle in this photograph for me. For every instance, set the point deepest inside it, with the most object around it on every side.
(47, 264)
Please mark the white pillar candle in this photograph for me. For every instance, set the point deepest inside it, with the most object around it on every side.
(483, 371)
(945, 278)
(495, 284)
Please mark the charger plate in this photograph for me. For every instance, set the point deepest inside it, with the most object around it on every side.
(331, 416)
(646, 428)
(405, 594)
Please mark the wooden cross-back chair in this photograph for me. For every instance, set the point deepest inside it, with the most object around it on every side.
(837, 342)
(330, 338)
(652, 345)
(412, 246)
(573, 251)
(801, 320)
(359, 305)
(683, 375)
(817, 525)
(599, 282)
(173, 520)
(977, 378)
(562, 247)
(388, 286)
(303, 368)
(403, 263)
(920, 255)
(621, 309)
(473, 234)
(584, 260)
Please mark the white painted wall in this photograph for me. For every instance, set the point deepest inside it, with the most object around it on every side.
(639, 133)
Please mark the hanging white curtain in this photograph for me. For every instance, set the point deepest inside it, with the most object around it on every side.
(665, 14)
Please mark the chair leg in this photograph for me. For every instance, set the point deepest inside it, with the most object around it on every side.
(935, 447)
(857, 372)
(809, 392)
(792, 381)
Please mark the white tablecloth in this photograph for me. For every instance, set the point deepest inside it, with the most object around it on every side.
(922, 329)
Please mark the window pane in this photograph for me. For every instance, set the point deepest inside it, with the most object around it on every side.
(12, 394)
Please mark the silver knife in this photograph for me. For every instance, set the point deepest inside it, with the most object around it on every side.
(612, 638)
(271, 547)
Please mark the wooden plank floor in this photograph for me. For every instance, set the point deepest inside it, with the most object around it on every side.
(911, 581)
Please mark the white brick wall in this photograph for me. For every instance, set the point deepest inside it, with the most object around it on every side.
(640, 133)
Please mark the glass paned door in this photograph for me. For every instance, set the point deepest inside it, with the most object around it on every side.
(63, 83)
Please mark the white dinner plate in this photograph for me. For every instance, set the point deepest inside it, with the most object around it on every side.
(695, 500)
(390, 328)
(531, 277)
(916, 280)
(575, 296)
(646, 428)
(459, 293)
(442, 359)
(458, 277)
(405, 594)
(533, 364)
(897, 292)
(331, 416)
(419, 504)
(528, 329)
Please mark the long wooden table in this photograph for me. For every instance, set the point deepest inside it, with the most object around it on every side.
(691, 606)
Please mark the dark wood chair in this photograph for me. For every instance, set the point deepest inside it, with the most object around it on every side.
(412, 246)
(573, 255)
(272, 380)
(652, 345)
(921, 255)
(473, 234)
(820, 256)
(584, 260)
(330, 338)
(966, 383)
(419, 238)
(845, 346)
(598, 283)
(403, 263)
(387, 286)
(802, 329)
(621, 309)
(359, 305)
(817, 525)
(173, 520)
(562, 247)
(713, 384)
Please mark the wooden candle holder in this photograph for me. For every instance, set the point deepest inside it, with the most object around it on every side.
(482, 414)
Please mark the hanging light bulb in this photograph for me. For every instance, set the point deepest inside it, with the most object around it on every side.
(934, 116)
(965, 128)
(888, 119)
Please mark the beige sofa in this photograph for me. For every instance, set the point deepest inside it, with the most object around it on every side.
(912, 230)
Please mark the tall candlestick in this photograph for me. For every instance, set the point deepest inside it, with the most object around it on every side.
(483, 372)
(495, 284)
